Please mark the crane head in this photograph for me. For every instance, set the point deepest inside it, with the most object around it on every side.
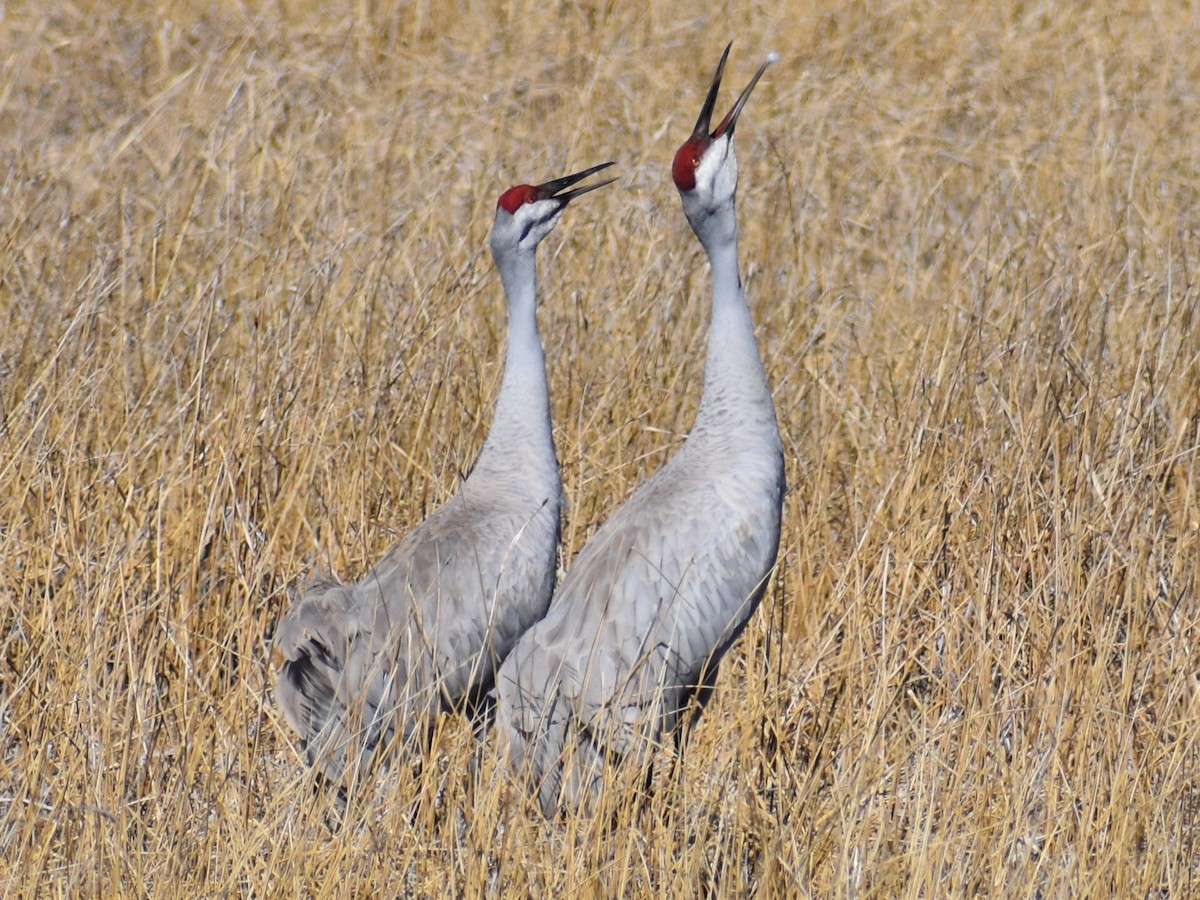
(706, 163)
(525, 214)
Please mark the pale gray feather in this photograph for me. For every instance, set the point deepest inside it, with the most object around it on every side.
(373, 662)
(651, 604)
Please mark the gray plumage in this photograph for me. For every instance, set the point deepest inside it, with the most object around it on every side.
(653, 601)
(424, 631)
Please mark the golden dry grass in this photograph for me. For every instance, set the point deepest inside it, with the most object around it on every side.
(251, 328)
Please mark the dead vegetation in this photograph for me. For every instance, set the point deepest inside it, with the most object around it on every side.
(252, 328)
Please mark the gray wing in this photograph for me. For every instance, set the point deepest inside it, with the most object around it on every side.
(427, 625)
(453, 603)
(645, 612)
(656, 603)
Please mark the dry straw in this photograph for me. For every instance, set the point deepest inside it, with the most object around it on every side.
(251, 328)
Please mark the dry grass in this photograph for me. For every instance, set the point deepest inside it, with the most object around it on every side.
(252, 328)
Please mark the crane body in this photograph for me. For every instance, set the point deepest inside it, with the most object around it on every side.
(641, 621)
(374, 661)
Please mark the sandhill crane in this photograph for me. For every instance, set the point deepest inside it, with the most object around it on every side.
(637, 628)
(426, 628)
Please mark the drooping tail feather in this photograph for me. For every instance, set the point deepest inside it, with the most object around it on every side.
(315, 639)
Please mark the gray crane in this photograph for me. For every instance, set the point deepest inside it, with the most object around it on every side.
(424, 631)
(638, 627)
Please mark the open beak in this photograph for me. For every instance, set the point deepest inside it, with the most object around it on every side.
(550, 190)
(730, 120)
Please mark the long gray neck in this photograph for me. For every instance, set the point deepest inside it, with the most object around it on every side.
(737, 398)
(520, 445)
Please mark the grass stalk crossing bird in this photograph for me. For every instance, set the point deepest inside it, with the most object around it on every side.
(374, 661)
(637, 628)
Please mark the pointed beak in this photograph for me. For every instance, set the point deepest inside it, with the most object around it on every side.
(550, 190)
(702, 123)
(730, 121)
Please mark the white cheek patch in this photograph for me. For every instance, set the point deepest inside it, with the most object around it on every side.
(538, 220)
(710, 163)
(716, 175)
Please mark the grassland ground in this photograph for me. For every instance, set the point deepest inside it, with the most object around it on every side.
(251, 328)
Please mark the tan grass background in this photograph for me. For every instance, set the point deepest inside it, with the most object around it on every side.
(250, 327)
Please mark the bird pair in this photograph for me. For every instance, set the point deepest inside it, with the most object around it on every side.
(604, 668)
